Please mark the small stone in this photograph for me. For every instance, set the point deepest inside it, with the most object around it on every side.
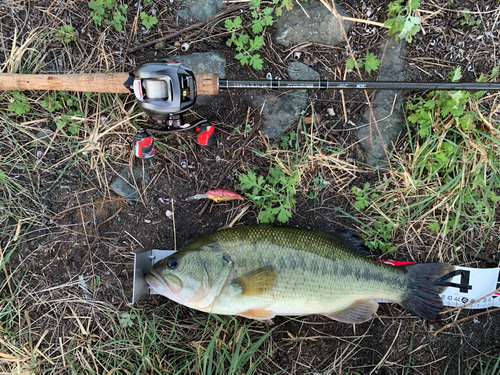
(160, 46)
(169, 214)
(45, 134)
(124, 184)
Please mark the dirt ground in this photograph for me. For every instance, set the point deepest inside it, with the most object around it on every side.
(85, 229)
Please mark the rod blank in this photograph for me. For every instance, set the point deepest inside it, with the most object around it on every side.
(353, 85)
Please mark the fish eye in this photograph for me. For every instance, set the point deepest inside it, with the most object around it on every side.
(172, 263)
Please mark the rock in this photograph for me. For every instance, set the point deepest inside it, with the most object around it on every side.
(199, 10)
(389, 125)
(45, 134)
(298, 71)
(204, 62)
(294, 27)
(281, 112)
(124, 184)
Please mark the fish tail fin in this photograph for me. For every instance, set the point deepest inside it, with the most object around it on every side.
(422, 297)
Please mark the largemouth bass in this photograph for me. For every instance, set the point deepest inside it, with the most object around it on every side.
(262, 271)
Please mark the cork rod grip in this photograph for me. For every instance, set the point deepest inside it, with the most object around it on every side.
(98, 82)
(207, 83)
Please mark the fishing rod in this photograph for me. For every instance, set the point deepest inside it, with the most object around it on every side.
(166, 89)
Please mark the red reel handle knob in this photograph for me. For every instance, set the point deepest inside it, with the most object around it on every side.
(143, 145)
(205, 134)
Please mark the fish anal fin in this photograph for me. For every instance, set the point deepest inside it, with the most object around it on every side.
(258, 314)
(256, 282)
(359, 312)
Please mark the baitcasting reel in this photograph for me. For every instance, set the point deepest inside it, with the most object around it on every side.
(165, 90)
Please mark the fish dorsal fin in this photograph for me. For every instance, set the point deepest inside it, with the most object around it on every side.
(258, 281)
(349, 239)
(359, 312)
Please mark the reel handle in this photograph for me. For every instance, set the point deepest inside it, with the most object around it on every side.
(206, 83)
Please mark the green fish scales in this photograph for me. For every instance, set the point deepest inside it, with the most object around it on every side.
(263, 271)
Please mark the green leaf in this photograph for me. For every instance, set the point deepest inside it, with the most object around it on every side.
(394, 8)
(371, 62)
(18, 108)
(494, 72)
(148, 21)
(256, 43)
(229, 25)
(266, 216)
(244, 60)
(361, 204)
(256, 62)
(434, 226)
(243, 39)
(3, 175)
(284, 215)
(268, 20)
(127, 320)
(493, 197)
(248, 180)
(234, 24)
(257, 27)
(254, 4)
(268, 11)
(414, 4)
(73, 129)
(350, 63)
(455, 74)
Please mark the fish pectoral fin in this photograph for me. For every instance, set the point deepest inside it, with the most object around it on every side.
(256, 282)
(258, 314)
(359, 312)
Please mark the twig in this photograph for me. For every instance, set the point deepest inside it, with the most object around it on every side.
(184, 30)
(465, 319)
(388, 351)
(238, 217)
(132, 32)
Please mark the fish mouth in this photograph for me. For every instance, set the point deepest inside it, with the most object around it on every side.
(166, 285)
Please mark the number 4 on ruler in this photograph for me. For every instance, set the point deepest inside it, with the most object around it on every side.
(464, 280)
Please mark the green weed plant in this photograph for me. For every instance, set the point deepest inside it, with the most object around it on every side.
(247, 44)
(109, 11)
(300, 165)
(468, 20)
(66, 34)
(449, 175)
(19, 103)
(147, 20)
(378, 234)
(369, 62)
(402, 19)
(274, 194)
(61, 101)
